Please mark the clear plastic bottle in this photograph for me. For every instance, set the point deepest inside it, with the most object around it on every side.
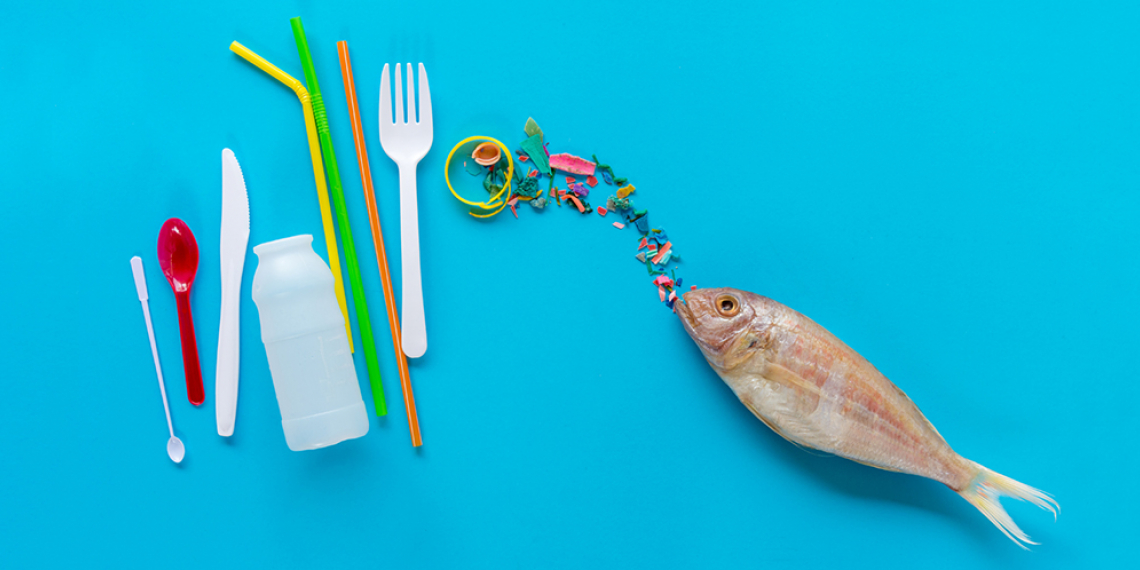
(304, 335)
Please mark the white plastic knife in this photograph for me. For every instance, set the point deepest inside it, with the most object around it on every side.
(235, 238)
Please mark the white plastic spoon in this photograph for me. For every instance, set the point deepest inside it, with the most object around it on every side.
(174, 447)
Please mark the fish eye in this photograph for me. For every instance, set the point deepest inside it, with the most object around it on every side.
(727, 305)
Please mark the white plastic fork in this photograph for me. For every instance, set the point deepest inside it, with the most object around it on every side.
(406, 141)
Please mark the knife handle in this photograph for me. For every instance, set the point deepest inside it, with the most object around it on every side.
(229, 350)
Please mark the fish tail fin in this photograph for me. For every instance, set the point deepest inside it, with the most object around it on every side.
(988, 487)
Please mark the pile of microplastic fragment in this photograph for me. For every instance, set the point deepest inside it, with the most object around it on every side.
(654, 250)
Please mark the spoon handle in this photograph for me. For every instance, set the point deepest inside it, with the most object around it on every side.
(194, 389)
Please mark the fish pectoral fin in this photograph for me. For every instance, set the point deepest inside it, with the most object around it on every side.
(808, 448)
(780, 433)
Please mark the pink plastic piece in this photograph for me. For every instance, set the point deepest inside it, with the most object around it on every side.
(567, 162)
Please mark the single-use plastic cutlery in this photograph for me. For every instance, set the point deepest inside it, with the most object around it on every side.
(378, 241)
(178, 257)
(174, 447)
(406, 141)
(235, 239)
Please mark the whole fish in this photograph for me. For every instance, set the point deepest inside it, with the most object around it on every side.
(817, 392)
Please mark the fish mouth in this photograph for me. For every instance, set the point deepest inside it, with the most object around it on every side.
(694, 314)
(688, 320)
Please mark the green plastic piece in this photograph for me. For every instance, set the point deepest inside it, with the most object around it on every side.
(607, 172)
(337, 191)
(527, 187)
(532, 129)
(533, 148)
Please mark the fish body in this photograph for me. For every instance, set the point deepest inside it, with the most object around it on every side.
(815, 391)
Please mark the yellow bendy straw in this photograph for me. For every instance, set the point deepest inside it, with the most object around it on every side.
(318, 169)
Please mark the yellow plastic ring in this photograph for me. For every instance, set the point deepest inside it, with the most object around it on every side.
(494, 203)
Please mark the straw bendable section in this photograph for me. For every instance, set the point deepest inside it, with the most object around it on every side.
(318, 172)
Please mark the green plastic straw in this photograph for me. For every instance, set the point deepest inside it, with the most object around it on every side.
(337, 191)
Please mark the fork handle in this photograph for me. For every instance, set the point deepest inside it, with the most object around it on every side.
(413, 327)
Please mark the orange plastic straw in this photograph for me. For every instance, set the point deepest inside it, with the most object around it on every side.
(378, 240)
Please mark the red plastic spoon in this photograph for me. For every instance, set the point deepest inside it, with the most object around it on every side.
(178, 257)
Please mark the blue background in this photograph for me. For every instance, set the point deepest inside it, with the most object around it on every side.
(951, 190)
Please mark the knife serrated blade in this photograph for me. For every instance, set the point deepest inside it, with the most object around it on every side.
(235, 239)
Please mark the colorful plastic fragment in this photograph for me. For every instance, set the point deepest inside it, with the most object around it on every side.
(655, 249)
(531, 128)
(528, 187)
(642, 224)
(619, 204)
(533, 148)
(578, 204)
(567, 162)
(631, 215)
(607, 172)
(487, 153)
(649, 267)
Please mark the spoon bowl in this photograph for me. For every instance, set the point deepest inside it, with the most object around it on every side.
(175, 449)
(178, 254)
(178, 257)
